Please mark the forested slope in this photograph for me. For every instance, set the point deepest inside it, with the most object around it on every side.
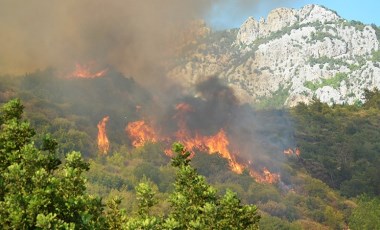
(332, 184)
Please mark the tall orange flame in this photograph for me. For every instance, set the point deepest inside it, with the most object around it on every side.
(140, 133)
(103, 143)
(217, 143)
(84, 71)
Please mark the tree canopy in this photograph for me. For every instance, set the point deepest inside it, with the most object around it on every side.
(38, 190)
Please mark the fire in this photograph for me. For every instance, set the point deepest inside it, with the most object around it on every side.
(103, 143)
(270, 177)
(236, 167)
(217, 143)
(140, 133)
(290, 152)
(84, 71)
(265, 177)
(298, 152)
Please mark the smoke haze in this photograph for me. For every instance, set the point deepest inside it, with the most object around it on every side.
(135, 37)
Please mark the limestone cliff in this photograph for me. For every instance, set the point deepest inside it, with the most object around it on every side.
(289, 57)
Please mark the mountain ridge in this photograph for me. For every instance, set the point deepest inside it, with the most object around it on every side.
(290, 57)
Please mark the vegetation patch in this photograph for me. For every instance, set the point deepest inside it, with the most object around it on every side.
(277, 100)
(327, 60)
(376, 56)
(333, 82)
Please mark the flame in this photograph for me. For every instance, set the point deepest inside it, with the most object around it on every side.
(265, 177)
(103, 143)
(290, 152)
(219, 144)
(298, 152)
(84, 71)
(140, 133)
(270, 177)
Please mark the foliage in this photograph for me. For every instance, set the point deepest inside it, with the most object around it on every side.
(376, 56)
(298, 200)
(277, 100)
(333, 82)
(372, 98)
(35, 192)
(320, 36)
(357, 24)
(269, 223)
(366, 215)
(327, 60)
(202, 208)
(377, 30)
(340, 144)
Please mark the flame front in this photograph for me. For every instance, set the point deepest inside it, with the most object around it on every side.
(265, 177)
(140, 133)
(84, 71)
(103, 143)
(217, 143)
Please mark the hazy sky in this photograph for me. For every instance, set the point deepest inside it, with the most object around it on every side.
(226, 16)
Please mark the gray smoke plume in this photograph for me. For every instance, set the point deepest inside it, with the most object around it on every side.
(135, 37)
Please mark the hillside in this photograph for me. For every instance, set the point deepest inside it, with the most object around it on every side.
(284, 111)
(296, 190)
(290, 57)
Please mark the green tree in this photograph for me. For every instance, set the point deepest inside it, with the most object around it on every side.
(34, 190)
(366, 215)
(145, 198)
(372, 98)
(115, 217)
(195, 204)
(37, 190)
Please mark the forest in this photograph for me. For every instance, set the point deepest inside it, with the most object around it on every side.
(53, 175)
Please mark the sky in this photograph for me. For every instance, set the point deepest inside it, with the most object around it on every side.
(226, 16)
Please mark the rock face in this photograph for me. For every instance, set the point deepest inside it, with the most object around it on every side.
(281, 18)
(288, 58)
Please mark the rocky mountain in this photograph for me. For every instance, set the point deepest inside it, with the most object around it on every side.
(290, 57)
